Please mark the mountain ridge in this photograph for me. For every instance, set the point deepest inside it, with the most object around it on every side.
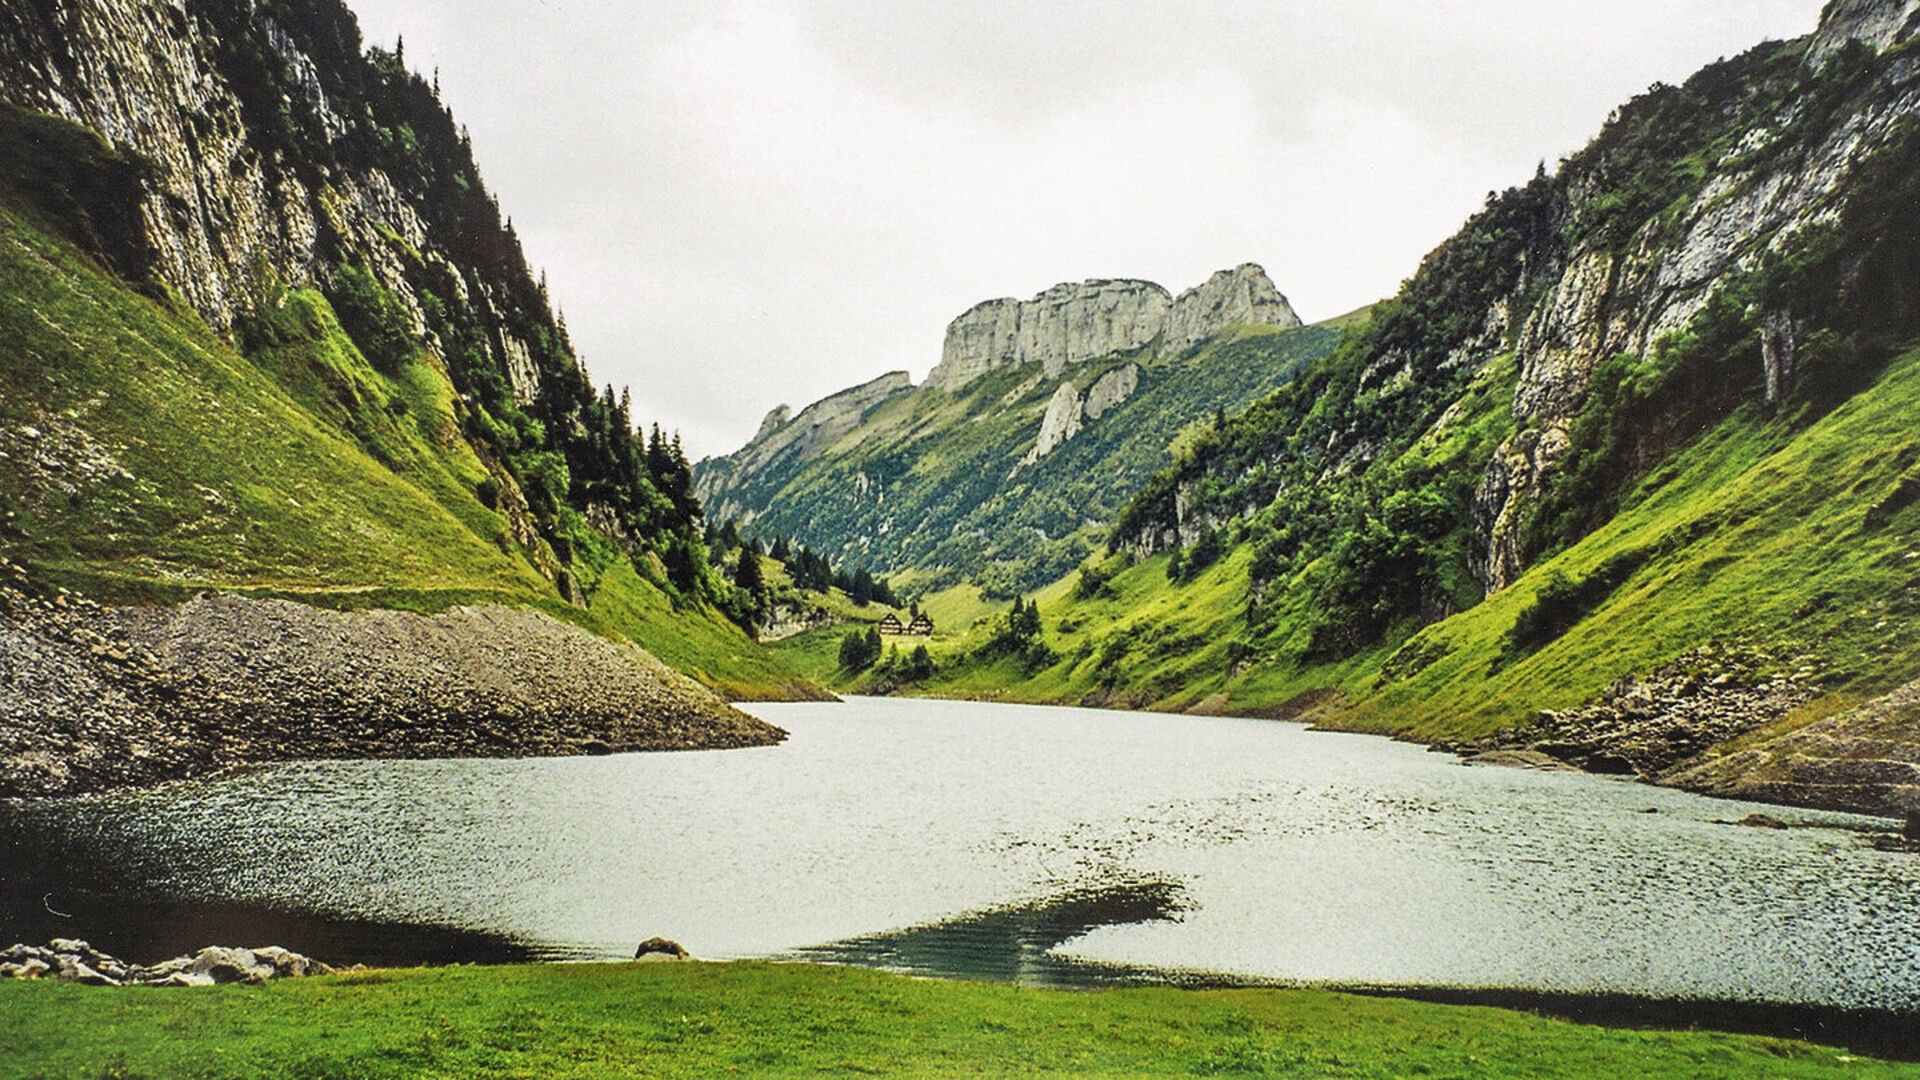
(1019, 384)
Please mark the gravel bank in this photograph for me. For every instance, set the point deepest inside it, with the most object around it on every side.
(93, 697)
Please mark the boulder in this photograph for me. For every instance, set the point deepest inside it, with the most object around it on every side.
(659, 948)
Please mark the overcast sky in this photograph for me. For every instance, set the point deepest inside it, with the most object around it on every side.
(741, 204)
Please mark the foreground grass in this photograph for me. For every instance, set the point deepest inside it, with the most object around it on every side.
(755, 1019)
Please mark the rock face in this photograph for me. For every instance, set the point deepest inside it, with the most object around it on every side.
(1068, 413)
(1073, 323)
(1604, 301)
(284, 155)
(223, 214)
(96, 697)
(1064, 325)
(1111, 389)
(1243, 295)
(1062, 422)
(1877, 23)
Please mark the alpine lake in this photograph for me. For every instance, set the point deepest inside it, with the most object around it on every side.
(1051, 847)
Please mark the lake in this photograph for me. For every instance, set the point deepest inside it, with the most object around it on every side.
(1044, 845)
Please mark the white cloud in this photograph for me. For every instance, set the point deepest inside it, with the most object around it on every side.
(743, 204)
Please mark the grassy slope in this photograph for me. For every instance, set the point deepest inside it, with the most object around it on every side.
(700, 1020)
(166, 463)
(1756, 534)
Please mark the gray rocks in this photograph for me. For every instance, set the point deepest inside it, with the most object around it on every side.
(78, 962)
(1603, 301)
(94, 697)
(1519, 759)
(1877, 23)
(1865, 759)
(1061, 423)
(1066, 324)
(1646, 726)
(1068, 413)
(1111, 389)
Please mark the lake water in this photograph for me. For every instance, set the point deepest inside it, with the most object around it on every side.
(1053, 846)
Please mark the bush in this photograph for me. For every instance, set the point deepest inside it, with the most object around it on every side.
(374, 318)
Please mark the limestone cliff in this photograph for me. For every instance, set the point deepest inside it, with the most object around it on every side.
(1074, 323)
(1878, 24)
(1068, 413)
(1066, 324)
(283, 156)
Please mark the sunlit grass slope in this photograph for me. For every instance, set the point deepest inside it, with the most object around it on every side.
(703, 1020)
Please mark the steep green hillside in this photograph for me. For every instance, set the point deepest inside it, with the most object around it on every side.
(1649, 417)
(932, 480)
(143, 457)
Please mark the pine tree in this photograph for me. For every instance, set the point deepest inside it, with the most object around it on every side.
(746, 573)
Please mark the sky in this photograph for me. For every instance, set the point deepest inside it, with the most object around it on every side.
(741, 204)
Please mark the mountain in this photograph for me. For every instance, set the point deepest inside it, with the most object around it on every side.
(1005, 467)
(267, 334)
(1625, 474)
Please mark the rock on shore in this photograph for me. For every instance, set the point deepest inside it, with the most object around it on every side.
(95, 697)
(78, 962)
(1865, 759)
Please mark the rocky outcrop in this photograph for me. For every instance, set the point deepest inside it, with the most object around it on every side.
(1879, 24)
(1646, 726)
(1068, 412)
(1062, 422)
(93, 697)
(1866, 759)
(1242, 296)
(73, 961)
(1111, 389)
(227, 209)
(789, 441)
(1074, 323)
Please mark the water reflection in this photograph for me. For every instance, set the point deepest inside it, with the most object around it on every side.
(1015, 943)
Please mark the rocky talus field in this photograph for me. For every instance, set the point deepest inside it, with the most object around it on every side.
(93, 696)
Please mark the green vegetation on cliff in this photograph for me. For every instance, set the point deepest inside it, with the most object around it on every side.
(701, 1020)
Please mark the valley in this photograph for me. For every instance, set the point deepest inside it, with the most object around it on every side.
(1545, 634)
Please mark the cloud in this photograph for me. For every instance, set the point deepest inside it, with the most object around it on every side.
(743, 203)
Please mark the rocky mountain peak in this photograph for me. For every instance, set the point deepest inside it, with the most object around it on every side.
(1242, 295)
(1075, 322)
